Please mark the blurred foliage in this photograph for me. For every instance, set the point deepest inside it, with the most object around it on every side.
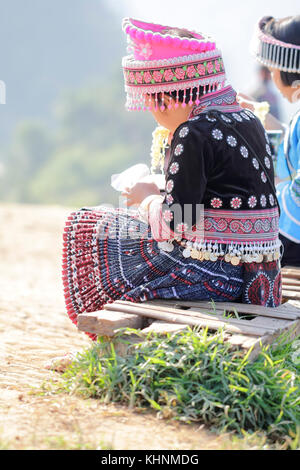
(49, 46)
(72, 163)
(64, 128)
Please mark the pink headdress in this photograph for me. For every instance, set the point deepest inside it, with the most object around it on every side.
(274, 53)
(163, 62)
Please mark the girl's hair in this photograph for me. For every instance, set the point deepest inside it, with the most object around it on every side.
(183, 96)
(186, 96)
(180, 32)
(286, 30)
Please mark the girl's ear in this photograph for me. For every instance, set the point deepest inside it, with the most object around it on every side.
(165, 102)
(169, 102)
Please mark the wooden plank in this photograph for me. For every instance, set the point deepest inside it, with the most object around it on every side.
(278, 324)
(248, 342)
(257, 321)
(290, 281)
(198, 313)
(292, 306)
(237, 340)
(291, 331)
(175, 316)
(290, 268)
(292, 288)
(291, 273)
(256, 347)
(285, 312)
(162, 328)
(290, 294)
(104, 323)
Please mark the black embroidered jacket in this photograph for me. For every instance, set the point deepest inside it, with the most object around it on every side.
(221, 159)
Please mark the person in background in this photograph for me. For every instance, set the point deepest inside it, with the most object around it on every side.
(277, 46)
(265, 91)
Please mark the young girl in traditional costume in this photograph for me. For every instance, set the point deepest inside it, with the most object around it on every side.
(277, 46)
(213, 232)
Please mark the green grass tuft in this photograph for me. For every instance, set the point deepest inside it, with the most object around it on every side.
(193, 377)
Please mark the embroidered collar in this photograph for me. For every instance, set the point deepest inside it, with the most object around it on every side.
(223, 100)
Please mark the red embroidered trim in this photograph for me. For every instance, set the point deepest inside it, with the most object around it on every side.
(167, 75)
(241, 226)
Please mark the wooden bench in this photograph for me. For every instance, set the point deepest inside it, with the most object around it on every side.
(244, 326)
(291, 283)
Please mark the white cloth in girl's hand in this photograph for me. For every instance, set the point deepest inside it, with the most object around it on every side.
(134, 174)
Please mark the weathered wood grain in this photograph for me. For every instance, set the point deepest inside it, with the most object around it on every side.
(106, 323)
(290, 281)
(286, 311)
(171, 315)
(291, 294)
(162, 328)
(289, 273)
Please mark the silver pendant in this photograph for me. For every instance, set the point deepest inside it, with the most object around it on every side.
(186, 253)
(166, 246)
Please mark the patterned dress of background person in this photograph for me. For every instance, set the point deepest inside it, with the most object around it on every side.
(277, 46)
(288, 192)
(225, 245)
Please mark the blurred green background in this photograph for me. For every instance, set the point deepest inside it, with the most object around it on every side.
(64, 128)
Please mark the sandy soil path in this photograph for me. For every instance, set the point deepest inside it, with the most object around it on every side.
(34, 328)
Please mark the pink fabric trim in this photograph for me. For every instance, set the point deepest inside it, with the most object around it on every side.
(241, 226)
(163, 46)
(164, 77)
(222, 226)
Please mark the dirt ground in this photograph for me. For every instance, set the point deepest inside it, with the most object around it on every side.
(35, 328)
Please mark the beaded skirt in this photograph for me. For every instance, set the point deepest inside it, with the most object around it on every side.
(110, 254)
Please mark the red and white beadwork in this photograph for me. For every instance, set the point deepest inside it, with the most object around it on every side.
(225, 118)
(210, 118)
(244, 151)
(263, 200)
(271, 199)
(178, 150)
(252, 201)
(168, 215)
(268, 149)
(267, 162)
(249, 113)
(245, 116)
(255, 163)
(183, 132)
(174, 168)
(263, 177)
(231, 140)
(216, 203)
(217, 134)
(169, 186)
(236, 202)
(183, 227)
(169, 199)
(237, 117)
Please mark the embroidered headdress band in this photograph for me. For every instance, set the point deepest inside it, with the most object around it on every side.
(163, 62)
(274, 53)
